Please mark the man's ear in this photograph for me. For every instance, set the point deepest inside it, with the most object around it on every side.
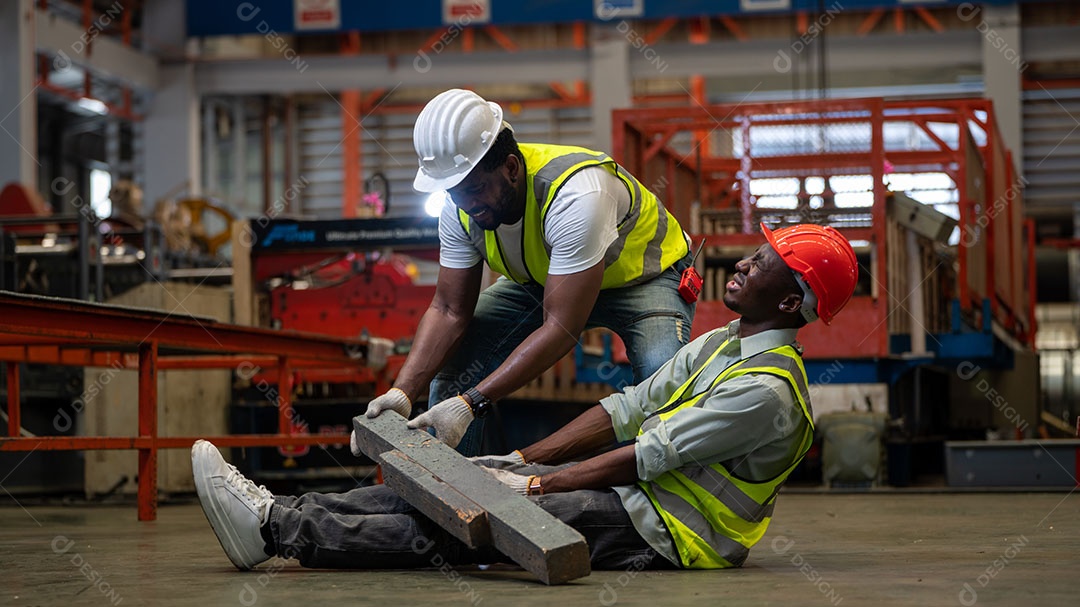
(791, 304)
(513, 167)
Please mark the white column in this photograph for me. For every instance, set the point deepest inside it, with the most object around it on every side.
(1003, 65)
(171, 128)
(18, 101)
(609, 80)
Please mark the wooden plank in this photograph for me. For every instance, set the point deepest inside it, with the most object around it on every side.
(524, 532)
(444, 504)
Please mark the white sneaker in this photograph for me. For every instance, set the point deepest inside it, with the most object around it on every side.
(235, 506)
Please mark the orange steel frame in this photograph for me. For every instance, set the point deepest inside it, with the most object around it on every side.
(641, 143)
(67, 332)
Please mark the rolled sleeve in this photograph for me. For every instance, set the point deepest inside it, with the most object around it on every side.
(739, 416)
(629, 408)
(626, 418)
(656, 453)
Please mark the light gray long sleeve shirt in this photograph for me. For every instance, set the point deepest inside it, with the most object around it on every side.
(752, 424)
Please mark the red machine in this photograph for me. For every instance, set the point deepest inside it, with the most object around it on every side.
(358, 294)
(347, 278)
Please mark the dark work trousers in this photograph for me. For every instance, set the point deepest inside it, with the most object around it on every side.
(373, 528)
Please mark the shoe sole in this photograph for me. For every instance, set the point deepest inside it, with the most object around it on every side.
(219, 522)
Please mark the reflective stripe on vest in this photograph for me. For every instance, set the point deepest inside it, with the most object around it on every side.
(713, 516)
(649, 239)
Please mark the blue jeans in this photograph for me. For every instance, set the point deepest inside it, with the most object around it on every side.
(373, 528)
(651, 318)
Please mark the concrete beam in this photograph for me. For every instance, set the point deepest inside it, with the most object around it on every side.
(104, 55)
(534, 539)
(442, 503)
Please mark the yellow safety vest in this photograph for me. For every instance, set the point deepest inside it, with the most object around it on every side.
(713, 516)
(649, 238)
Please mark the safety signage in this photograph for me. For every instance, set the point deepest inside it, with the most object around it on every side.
(466, 11)
(317, 14)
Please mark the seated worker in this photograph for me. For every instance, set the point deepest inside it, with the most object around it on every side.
(716, 431)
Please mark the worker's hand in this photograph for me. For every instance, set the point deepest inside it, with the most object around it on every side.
(450, 418)
(510, 460)
(518, 482)
(394, 400)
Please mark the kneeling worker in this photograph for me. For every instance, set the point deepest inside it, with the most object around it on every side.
(580, 242)
(716, 431)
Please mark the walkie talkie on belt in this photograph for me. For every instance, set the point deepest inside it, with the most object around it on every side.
(690, 284)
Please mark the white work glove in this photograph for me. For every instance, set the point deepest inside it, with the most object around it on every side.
(450, 418)
(518, 482)
(394, 400)
(510, 460)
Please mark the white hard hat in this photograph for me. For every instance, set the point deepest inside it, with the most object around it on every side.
(452, 134)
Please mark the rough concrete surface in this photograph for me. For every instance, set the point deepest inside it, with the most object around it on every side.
(854, 549)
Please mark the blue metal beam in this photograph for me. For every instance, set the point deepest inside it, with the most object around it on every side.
(233, 17)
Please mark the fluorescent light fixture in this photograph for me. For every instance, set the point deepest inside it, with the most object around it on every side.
(93, 105)
(434, 204)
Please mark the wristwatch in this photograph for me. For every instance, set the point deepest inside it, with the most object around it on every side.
(533, 487)
(480, 404)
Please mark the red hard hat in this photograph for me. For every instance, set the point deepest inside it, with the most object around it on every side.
(823, 259)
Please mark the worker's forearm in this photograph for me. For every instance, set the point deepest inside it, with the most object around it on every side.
(437, 336)
(610, 469)
(540, 350)
(588, 433)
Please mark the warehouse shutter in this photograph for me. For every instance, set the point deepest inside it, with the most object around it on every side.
(386, 141)
(1052, 147)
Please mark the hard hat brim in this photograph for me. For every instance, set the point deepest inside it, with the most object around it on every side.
(427, 184)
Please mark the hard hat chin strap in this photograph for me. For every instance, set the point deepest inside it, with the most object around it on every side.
(809, 300)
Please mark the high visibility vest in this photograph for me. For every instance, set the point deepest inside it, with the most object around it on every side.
(713, 516)
(649, 238)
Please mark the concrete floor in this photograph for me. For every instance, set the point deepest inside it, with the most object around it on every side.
(854, 549)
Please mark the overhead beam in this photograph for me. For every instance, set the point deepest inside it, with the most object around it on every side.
(752, 58)
(334, 73)
(101, 54)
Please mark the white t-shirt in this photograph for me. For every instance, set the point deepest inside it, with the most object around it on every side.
(579, 227)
